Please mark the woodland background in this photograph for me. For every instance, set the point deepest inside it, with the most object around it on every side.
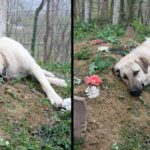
(42, 26)
(112, 11)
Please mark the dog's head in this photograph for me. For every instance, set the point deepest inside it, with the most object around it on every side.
(133, 71)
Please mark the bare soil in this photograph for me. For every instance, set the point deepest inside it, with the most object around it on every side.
(20, 102)
(112, 109)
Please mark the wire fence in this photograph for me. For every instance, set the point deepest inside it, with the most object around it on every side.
(20, 27)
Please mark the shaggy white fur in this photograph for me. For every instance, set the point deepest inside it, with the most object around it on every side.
(20, 64)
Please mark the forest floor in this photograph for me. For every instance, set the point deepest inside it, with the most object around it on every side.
(27, 120)
(116, 119)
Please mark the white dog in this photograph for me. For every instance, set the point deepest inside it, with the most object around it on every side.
(15, 61)
(134, 68)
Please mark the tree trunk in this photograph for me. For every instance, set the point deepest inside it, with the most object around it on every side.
(37, 11)
(131, 4)
(104, 12)
(116, 12)
(99, 3)
(75, 9)
(85, 10)
(111, 10)
(140, 14)
(3, 17)
(46, 36)
(53, 16)
(147, 22)
(122, 11)
(90, 9)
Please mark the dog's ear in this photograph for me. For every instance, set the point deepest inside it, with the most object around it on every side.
(143, 62)
(116, 71)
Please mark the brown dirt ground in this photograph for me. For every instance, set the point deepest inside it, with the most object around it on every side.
(109, 111)
(27, 105)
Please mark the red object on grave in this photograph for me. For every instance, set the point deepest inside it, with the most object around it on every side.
(93, 79)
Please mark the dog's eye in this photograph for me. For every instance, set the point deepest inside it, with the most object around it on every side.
(125, 77)
(135, 73)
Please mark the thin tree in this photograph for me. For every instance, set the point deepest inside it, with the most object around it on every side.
(116, 12)
(47, 31)
(104, 12)
(75, 9)
(122, 11)
(37, 11)
(3, 17)
(147, 22)
(90, 9)
(85, 10)
(99, 2)
(140, 14)
(131, 4)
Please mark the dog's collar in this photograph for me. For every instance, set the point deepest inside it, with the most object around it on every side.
(5, 66)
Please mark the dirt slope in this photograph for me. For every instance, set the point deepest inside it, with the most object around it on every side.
(112, 109)
(19, 101)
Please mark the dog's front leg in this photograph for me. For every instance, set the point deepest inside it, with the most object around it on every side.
(55, 99)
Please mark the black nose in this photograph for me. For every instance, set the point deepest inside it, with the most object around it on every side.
(135, 92)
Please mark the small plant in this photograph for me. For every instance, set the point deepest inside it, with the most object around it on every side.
(110, 33)
(115, 146)
(78, 144)
(83, 54)
(59, 135)
(44, 136)
(133, 137)
(82, 30)
(100, 63)
(15, 81)
(141, 30)
(1, 81)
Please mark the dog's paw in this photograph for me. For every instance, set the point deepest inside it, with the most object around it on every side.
(63, 83)
(52, 75)
(56, 101)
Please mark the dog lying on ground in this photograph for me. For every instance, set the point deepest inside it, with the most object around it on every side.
(134, 68)
(15, 61)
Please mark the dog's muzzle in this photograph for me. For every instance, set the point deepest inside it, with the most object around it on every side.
(136, 91)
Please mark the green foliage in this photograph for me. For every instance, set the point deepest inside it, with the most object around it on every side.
(45, 102)
(100, 63)
(110, 33)
(59, 135)
(15, 81)
(82, 30)
(78, 144)
(46, 137)
(82, 54)
(141, 30)
(1, 81)
(134, 138)
(22, 136)
(62, 71)
(63, 68)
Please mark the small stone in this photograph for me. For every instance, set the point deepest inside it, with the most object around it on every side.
(128, 108)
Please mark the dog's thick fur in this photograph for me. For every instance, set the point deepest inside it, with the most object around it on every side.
(15, 61)
(134, 68)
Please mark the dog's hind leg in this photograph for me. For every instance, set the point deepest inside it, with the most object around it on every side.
(48, 74)
(53, 80)
(57, 81)
(47, 88)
